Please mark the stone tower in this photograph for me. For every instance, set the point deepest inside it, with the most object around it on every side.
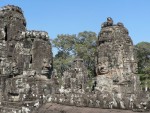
(116, 65)
(25, 63)
(12, 24)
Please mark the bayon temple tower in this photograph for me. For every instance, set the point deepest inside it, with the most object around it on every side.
(116, 64)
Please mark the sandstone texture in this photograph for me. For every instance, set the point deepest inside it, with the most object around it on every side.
(29, 84)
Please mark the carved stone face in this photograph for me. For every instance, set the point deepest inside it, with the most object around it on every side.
(10, 47)
(46, 67)
(14, 70)
(41, 57)
(103, 68)
(135, 68)
(7, 69)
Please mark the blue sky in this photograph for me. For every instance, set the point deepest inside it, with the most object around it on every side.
(74, 16)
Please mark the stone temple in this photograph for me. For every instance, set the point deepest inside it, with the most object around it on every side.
(28, 80)
(24, 67)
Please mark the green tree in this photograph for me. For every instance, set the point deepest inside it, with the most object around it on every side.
(64, 43)
(65, 46)
(62, 62)
(69, 46)
(143, 55)
(85, 48)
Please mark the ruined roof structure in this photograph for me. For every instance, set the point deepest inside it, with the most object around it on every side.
(28, 85)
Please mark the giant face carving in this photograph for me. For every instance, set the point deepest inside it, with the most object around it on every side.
(46, 66)
(14, 69)
(41, 57)
(102, 68)
(134, 68)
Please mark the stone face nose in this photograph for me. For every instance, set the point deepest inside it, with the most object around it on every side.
(47, 65)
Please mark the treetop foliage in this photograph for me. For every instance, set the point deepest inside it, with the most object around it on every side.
(82, 45)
